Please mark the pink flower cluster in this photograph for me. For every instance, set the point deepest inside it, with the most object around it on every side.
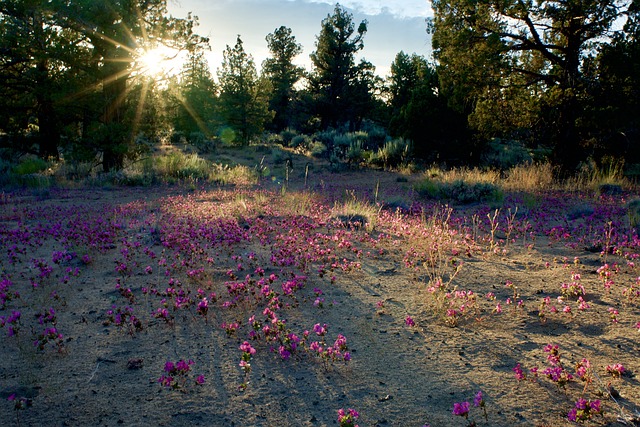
(177, 374)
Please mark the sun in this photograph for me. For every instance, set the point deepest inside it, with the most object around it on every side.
(159, 62)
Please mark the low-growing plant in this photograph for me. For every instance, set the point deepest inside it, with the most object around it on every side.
(287, 136)
(348, 418)
(178, 375)
(354, 212)
(300, 142)
(30, 165)
(238, 175)
(355, 153)
(460, 191)
(395, 153)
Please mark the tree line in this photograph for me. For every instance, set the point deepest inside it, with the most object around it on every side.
(561, 76)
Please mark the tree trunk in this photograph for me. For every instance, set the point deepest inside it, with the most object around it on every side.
(49, 135)
(567, 144)
(113, 118)
(49, 129)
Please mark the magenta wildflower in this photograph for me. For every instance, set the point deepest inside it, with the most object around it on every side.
(348, 418)
(498, 308)
(284, 353)
(320, 330)
(478, 400)
(461, 409)
(615, 370)
(584, 410)
(246, 347)
(520, 375)
(409, 321)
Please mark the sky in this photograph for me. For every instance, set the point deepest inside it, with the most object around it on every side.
(393, 26)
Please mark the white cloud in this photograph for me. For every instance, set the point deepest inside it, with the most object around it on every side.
(397, 8)
(387, 34)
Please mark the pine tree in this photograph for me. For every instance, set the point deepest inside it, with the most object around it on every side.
(244, 102)
(282, 74)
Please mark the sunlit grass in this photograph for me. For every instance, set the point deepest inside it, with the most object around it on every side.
(535, 177)
(356, 212)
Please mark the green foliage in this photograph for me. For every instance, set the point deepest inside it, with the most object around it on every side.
(70, 68)
(460, 191)
(355, 154)
(376, 135)
(287, 136)
(420, 112)
(244, 103)
(428, 188)
(193, 97)
(178, 137)
(282, 75)
(201, 142)
(30, 165)
(522, 66)
(612, 117)
(505, 154)
(357, 213)
(180, 166)
(227, 135)
(318, 149)
(394, 153)
(301, 142)
(340, 88)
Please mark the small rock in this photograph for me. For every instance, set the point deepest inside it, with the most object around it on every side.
(134, 364)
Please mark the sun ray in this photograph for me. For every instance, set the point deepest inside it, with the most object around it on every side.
(140, 108)
(147, 64)
(187, 106)
(159, 62)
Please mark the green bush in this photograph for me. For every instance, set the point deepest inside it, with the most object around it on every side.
(428, 188)
(325, 137)
(355, 154)
(5, 166)
(30, 166)
(341, 143)
(462, 192)
(178, 137)
(286, 136)
(318, 149)
(459, 191)
(377, 136)
(504, 154)
(179, 165)
(300, 141)
(201, 142)
(394, 153)
(273, 139)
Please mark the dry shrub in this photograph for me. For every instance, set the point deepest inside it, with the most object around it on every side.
(470, 176)
(530, 177)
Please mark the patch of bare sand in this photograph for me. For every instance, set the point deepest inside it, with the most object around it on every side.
(398, 375)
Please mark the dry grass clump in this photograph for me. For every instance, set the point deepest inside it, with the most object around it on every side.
(530, 177)
(534, 177)
(475, 175)
(356, 212)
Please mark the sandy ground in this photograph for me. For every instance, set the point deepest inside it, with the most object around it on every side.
(398, 375)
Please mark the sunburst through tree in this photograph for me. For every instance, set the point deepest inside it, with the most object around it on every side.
(79, 73)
